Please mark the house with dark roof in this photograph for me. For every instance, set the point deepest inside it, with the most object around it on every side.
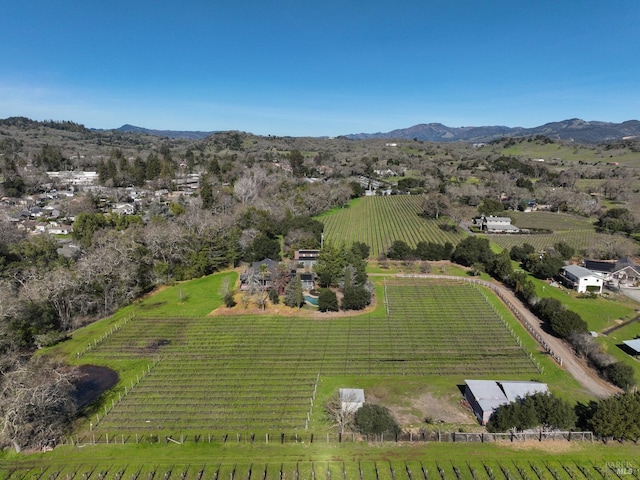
(260, 273)
(624, 272)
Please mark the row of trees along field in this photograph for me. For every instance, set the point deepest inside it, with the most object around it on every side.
(616, 417)
(476, 252)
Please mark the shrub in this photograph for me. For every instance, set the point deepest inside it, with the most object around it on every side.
(565, 322)
(355, 298)
(229, 301)
(273, 296)
(373, 419)
(620, 374)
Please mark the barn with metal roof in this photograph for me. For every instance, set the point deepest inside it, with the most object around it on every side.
(484, 396)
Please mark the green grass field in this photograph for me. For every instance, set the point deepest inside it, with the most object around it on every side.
(379, 221)
(554, 153)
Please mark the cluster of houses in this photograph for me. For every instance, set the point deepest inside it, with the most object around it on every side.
(44, 212)
(594, 275)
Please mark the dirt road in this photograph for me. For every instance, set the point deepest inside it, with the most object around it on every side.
(589, 380)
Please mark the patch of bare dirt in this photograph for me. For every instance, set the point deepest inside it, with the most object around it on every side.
(440, 410)
(284, 311)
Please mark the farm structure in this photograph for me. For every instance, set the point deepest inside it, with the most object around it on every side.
(351, 398)
(632, 346)
(380, 220)
(260, 373)
(581, 279)
(485, 396)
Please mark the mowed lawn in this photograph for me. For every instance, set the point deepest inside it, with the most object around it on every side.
(379, 221)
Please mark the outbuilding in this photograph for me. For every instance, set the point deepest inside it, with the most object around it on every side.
(351, 399)
(632, 346)
(485, 396)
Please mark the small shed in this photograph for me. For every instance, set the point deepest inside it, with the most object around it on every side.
(351, 398)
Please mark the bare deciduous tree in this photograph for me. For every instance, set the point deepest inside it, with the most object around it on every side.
(36, 403)
(341, 416)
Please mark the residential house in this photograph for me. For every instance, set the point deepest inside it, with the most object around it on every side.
(259, 273)
(493, 224)
(307, 258)
(581, 279)
(307, 281)
(124, 209)
(624, 272)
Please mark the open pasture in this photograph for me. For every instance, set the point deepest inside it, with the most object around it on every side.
(379, 221)
(260, 373)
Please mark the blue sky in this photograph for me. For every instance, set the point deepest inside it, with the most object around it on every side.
(319, 68)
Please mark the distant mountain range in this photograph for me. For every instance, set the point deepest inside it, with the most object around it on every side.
(574, 129)
(165, 133)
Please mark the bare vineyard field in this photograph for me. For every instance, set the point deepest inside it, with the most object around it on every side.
(260, 373)
(576, 231)
(379, 221)
(423, 468)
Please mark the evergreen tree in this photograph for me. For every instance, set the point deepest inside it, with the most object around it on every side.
(206, 193)
(293, 295)
(327, 300)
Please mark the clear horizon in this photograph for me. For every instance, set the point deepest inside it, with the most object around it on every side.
(288, 68)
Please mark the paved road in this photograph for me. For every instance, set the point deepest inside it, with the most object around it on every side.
(633, 293)
(589, 380)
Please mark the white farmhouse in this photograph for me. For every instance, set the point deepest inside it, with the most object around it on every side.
(581, 279)
(492, 224)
